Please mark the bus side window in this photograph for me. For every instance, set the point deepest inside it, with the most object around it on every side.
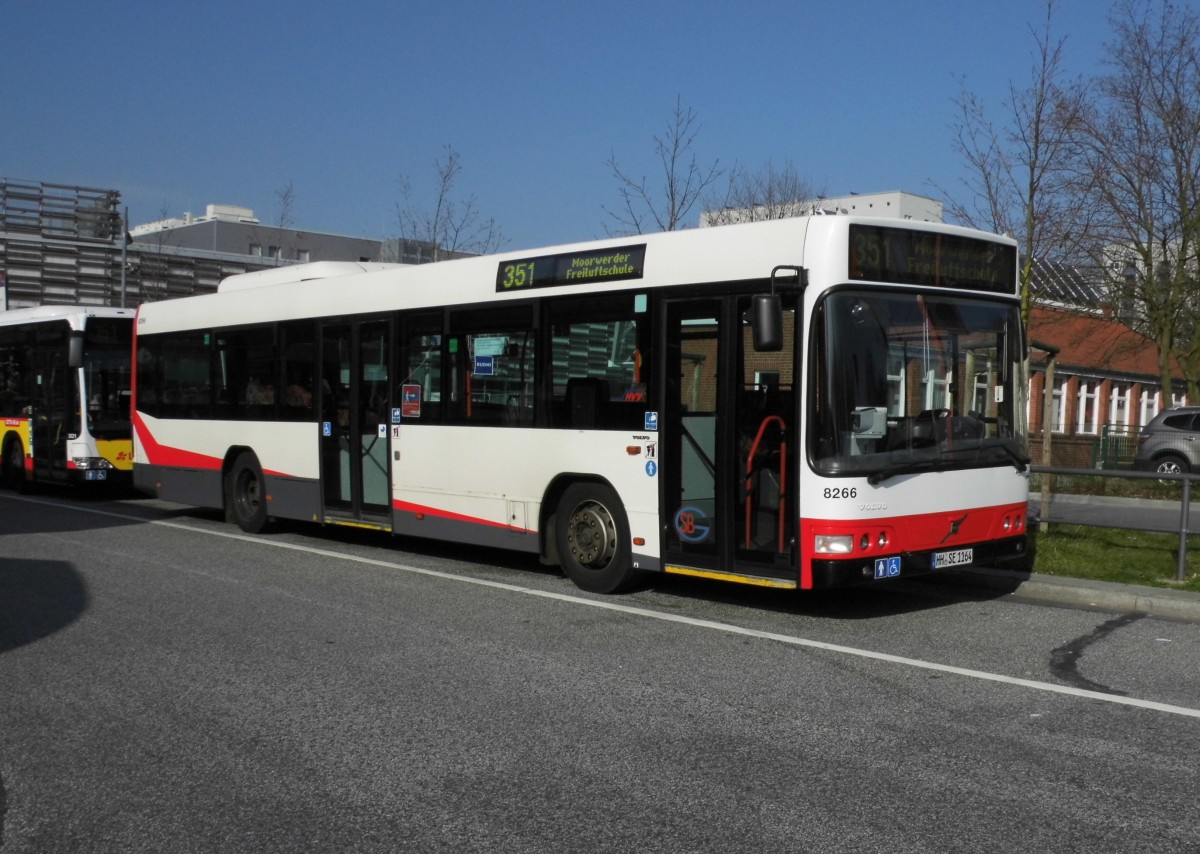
(494, 377)
(298, 351)
(598, 370)
(246, 371)
(184, 375)
(492, 366)
(14, 388)
(418, 391)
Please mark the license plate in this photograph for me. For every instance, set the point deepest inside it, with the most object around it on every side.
(941, 560)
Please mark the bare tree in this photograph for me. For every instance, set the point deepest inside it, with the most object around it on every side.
(1017, 174)
(771, 193)
(449, 224)
(665, 206)
(1138, 166)
(150, 270)
(285, 197)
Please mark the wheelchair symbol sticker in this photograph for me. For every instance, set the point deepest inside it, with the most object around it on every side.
(888, 567)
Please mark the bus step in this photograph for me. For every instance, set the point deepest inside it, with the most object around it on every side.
(350, 522)
(735, 577)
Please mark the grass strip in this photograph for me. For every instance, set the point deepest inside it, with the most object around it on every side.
(1115, 554)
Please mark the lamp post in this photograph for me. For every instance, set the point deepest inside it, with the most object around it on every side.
(124, 251)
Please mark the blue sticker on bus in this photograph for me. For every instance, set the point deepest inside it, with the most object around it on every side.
(485, 366)
(651, 468)
(651, 420)
(887, 567)
(396, 415)
(326, 428)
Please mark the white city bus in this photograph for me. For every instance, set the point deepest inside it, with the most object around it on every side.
(800, 403)
(65, 395)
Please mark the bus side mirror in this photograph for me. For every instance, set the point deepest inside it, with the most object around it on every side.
(75, 349)
(766, 322)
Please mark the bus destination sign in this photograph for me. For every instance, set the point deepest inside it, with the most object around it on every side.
(909, 256)
(571, 268)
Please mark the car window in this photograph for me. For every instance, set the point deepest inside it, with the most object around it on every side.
(1179, 422)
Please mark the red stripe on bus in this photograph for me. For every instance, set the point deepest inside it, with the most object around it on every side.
(164, 455)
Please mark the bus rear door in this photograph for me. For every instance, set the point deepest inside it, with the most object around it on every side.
(355, 406)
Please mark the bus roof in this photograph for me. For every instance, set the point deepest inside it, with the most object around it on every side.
(294, 273)
(73, 314)
(742, 252)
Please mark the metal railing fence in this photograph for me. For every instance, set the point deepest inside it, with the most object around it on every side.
(1045, 516)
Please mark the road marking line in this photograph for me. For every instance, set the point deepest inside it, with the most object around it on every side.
(634, 610)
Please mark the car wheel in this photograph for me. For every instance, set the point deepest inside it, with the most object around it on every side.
(1171, 465)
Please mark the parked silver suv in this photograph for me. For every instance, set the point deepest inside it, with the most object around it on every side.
(1170, 443)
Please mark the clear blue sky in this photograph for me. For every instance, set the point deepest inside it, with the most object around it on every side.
(179, 105)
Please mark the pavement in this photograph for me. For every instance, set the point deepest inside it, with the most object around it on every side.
(1161, 602)
(1133, 513)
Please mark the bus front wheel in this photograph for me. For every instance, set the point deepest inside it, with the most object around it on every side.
(14, 466)
(247, 494)
(593, 538)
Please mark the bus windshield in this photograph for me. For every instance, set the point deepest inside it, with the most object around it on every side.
(908, 382)
(107, 377)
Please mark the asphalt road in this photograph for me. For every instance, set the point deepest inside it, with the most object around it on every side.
(1135, 513)
(169, 684)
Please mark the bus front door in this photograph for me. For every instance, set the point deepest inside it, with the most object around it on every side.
(54, 415)
(354, 406)
(729, 453)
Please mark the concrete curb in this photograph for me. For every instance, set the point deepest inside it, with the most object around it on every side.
(1079, 593)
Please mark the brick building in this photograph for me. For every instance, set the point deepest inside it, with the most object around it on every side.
(1106, 386)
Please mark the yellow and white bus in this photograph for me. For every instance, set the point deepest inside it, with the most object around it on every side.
(800, 403)
(65, 391)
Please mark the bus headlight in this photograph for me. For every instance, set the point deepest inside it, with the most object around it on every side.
(92, 463)
(834, 544)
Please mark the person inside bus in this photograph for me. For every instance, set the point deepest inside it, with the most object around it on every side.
(297, 395)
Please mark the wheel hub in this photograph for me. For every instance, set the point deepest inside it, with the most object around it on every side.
(592, 535)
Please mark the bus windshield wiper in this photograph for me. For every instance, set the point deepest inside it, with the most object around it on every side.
(1019, 461)
(939, 463)
(877, 477)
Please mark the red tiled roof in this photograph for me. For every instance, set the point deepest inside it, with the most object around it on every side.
(1098, 343)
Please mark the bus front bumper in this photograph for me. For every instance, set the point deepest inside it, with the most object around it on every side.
(845, 572)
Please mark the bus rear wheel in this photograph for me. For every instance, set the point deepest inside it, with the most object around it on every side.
(593, 538)
(247, 494)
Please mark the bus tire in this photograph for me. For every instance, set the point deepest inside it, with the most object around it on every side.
(247, 494)
(14, 466)
(593, 538)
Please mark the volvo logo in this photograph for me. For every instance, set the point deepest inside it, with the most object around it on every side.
(955, 524)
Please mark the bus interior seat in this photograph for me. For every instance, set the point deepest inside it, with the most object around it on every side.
(587, 401)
